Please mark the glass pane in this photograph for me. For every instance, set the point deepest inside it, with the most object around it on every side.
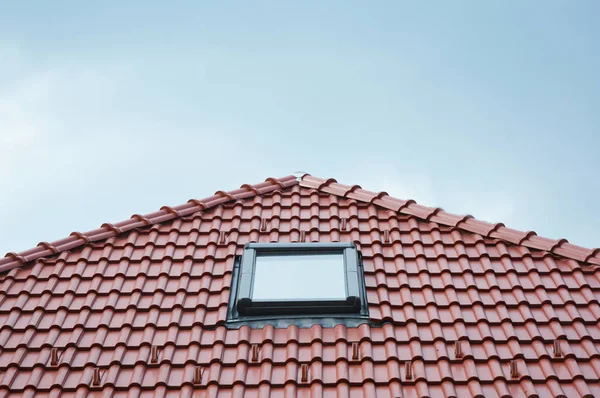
(299, 277)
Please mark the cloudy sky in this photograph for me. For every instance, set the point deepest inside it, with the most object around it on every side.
(486, 108)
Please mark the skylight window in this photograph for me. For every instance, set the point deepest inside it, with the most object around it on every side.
(297, 279)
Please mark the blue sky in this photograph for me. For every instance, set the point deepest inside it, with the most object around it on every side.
(486, 108)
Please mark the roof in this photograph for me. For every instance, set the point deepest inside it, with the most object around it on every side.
(529, 239)
(468, 308)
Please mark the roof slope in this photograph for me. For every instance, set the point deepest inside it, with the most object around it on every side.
(465, 313)
(166, 213)
(529, 239)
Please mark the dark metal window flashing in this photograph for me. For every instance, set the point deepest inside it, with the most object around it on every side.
(243, 310)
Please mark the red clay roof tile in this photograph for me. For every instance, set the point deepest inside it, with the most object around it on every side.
(141, 310)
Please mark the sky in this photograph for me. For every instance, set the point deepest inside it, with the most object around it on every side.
(482, 108)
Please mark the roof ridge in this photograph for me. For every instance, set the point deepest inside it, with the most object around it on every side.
(529, 239)
(166, 213)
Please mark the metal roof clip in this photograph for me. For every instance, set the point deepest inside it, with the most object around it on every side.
(514, 370)
(54, 357)
(263, 224)
(343, 223)
(96, 377)
(154, 354)
(304, 373)
(408, 371)
(458, 351)
(255, 351)
(557, 349)
(355, 351)
(198, 372)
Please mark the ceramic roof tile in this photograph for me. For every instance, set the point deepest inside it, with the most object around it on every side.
(106, 299)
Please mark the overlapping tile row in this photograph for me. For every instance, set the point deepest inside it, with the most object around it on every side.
(526, 321)
(226, 359)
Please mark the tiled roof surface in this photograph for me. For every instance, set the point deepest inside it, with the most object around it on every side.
(560, 247)
(137, 308)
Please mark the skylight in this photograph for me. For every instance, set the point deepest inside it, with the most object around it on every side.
(288, 280)
(299, 277)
